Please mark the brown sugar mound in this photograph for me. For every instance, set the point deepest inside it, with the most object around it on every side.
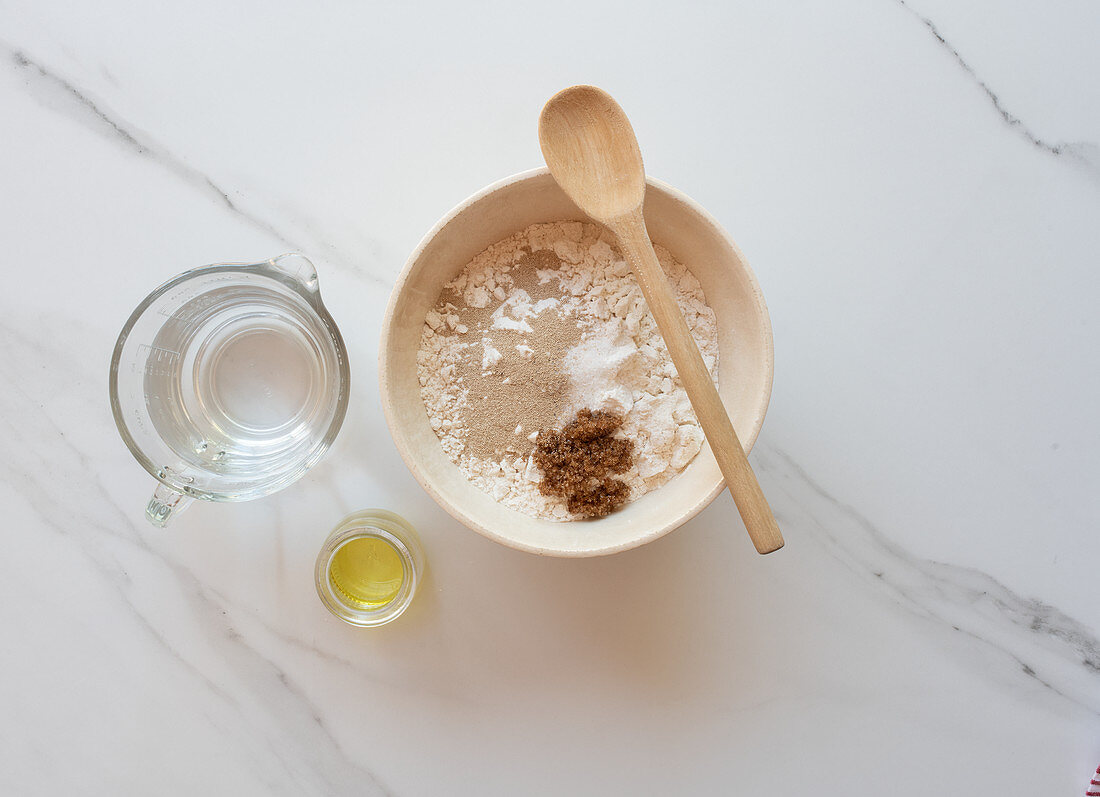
(577, 461)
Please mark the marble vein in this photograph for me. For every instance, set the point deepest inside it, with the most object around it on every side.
(97, 117)
(107, 537)
(357, 668)
(1046, 645)
(62, 95)
(1084, 152)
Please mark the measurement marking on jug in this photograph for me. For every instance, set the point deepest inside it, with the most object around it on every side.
(158, 360)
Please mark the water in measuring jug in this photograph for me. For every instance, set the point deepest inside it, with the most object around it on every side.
(238, 380)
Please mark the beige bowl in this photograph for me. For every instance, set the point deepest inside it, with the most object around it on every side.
(745, 361)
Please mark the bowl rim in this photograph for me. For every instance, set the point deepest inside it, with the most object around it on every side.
(466, 519)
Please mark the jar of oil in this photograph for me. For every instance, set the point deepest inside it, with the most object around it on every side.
(369, 567)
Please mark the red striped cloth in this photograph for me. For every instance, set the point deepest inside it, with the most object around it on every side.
(1094, 785)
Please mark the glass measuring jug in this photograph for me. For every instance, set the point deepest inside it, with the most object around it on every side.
(230, 381)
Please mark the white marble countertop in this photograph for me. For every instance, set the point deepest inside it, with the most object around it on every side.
(917, 185)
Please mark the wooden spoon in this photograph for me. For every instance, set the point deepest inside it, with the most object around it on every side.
(591, 150)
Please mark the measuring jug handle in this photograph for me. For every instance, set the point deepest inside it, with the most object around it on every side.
(165, 504)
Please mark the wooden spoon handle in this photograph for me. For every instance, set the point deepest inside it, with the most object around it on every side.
(741, 481)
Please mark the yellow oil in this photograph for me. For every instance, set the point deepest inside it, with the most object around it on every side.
(367, 571)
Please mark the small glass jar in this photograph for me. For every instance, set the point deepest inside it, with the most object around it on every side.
(369, 567)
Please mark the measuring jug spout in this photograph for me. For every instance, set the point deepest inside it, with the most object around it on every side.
(165, 504)
(299, 269)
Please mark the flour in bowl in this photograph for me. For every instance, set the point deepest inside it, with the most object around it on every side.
(539, 326)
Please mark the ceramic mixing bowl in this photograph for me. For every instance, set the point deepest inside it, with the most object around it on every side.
(745, 361)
